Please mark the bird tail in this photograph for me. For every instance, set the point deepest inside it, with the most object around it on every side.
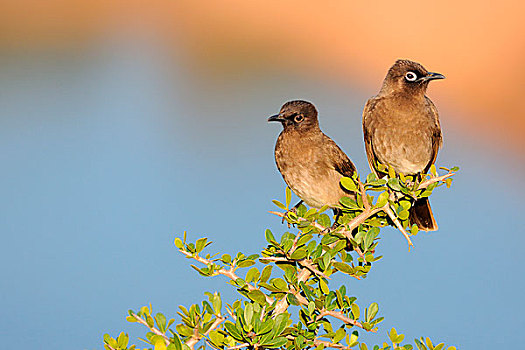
(421, 215)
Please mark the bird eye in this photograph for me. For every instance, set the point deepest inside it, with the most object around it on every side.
(411, 76)
(298, 118)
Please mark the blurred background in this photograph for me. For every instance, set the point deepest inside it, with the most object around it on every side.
(122, 124)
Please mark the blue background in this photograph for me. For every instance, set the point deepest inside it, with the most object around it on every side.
(108, 155)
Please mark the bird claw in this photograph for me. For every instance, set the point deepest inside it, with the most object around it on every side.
(293, 210)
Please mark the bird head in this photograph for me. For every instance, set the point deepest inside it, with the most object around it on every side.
(408, 76)
(300, 115)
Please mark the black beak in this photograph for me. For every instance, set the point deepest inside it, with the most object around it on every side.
(276, 118)
(433, 76)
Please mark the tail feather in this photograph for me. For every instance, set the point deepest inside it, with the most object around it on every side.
(421, 215)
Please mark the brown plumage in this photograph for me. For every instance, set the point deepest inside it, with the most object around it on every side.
(310, 162)
(401, 129)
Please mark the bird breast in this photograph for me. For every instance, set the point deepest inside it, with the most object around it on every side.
(306, 169)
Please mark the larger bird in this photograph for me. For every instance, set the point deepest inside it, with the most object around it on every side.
(310, 162)
(401, 129)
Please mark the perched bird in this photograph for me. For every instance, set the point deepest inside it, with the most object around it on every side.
(309, 161)
(401, 129)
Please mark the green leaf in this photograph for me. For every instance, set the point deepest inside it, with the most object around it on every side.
(288, 197)
(299, 254)
(355, 311)
(324, 220)
(257, 296)
(200, 244)
(349, 203)
(226, 258)
(324, 286)
(372, 312)
(292, 300)
(246, 263)
(122, 340)
(161, 322)
(178, 243)
(252, 275)
(266, 326)
(280, 324)
(349, 184)
(340, 334)
(216, 338)
(311, 307)
(344, 268)
(275, 343)
(248, 314)
(279, 204)
(177, 342)
(382, 199)
(269, 236)
(420, 345)
(391, 171)
(232, 330)
(394, 184)
(280, 284)
(403, 215)
(266, 273)
(303, 239)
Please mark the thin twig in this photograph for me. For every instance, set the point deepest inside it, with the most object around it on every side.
(303, 262)
(386, 208)
(228, 273)
(363, 194)
(238, 346)
(196, 336)
(428, 182)
(347, 233)
(151, 328)
(282, 304)
(340, 316)
(328, 344)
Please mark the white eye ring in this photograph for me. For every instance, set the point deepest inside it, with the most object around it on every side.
(411, 76)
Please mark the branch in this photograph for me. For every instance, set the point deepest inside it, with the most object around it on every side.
(228, 273)
(196, 336)
(427, 183)
(386, 208)
(363, 194)
(346, 233)
(151, 328)
(303, 262)
(328, 344)
(340, 316)
(282, 305)
(238, 346)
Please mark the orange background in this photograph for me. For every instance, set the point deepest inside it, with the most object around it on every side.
(478, 46)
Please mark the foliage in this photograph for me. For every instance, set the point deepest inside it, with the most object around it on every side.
(323, 317)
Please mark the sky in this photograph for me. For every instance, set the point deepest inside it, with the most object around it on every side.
(110, 153)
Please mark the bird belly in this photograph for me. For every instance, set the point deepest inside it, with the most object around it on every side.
(408, 152)
(315, 190)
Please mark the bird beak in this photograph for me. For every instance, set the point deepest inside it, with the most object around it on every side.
(276, 118)
(433, 76)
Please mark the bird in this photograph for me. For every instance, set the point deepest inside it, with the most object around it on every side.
(401, 129)
(310, 162)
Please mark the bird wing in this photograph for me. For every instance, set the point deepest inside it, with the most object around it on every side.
(437, 137)
(367, 121)
(340, 161)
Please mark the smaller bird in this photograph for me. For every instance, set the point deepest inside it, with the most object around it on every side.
(310, 162)
(401, 129)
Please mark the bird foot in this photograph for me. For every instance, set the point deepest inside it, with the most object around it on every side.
(293, 210)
